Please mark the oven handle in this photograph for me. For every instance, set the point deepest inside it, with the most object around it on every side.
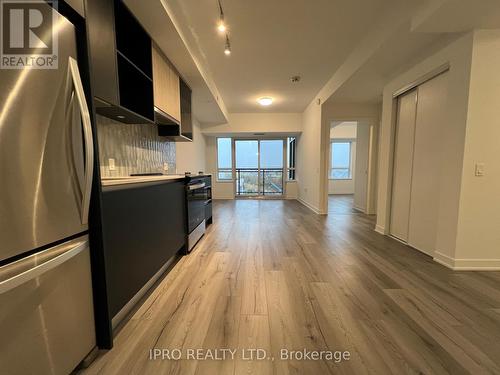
(196, 186)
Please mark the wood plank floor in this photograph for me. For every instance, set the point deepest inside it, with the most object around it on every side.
(273, 275)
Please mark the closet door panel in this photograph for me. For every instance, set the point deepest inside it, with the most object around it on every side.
(427, 158)
(403, 160)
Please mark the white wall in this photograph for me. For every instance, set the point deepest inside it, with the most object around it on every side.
(310, 158)
(340, 131)
(469, 205)
(458, 55)
(249, 123)
(341, 187)
(292, 190)
(362, 166)
(343, 130)
(245, 124)
(478, 235)
(190, 156)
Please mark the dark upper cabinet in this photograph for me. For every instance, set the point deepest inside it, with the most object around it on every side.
(132, 40)
(121, 67)
(101, 34)
(186, 112)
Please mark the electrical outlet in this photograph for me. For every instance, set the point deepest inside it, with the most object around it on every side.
(111, 164)
(479, 171)
(165, 167)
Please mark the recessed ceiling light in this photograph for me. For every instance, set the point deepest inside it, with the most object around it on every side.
(265, 101)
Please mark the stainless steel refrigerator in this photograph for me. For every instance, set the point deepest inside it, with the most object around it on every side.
(46, 160)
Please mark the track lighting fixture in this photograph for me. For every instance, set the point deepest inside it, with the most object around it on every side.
(222, 28)
(227, 49)
(221, 25)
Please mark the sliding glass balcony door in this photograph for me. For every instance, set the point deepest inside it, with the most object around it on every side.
(271, 157)
(259, 167)
(246, 152)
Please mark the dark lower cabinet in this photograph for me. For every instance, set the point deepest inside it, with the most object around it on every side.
(208, 213)
(144, 226)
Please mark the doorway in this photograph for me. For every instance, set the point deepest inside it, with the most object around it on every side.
(348, 164)
(259, 167)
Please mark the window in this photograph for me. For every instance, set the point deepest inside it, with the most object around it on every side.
(290, 166)
(224, 159)
(340, 161)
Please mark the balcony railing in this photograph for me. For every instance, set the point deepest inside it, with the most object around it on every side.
(248, 181)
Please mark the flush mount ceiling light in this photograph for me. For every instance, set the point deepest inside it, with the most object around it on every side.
(227, 48)
(221, 25)
(265, 101)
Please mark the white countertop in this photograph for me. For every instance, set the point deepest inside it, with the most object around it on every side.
(110, 181)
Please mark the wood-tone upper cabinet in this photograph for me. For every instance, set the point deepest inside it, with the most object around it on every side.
(166, 86)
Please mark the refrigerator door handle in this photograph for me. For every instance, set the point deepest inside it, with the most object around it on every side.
(23, 277)
(87, 132)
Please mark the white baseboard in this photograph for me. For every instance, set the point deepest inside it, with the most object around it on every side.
(311, 207)
(467, 264)
(360, 209)
(380, 229)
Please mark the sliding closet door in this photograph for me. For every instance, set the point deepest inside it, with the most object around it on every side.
(403, 161)
(431, 107)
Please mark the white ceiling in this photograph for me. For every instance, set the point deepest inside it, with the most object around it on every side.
(397, 54)
(457, 16)
(274, 40)
(433, 25)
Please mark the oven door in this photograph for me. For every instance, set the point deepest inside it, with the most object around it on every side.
(196, 198)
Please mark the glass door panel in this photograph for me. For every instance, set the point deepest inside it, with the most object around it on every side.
(247, 167)
(259, 167)
(271, 167)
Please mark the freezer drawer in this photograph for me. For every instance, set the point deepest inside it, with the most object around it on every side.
(47, 318)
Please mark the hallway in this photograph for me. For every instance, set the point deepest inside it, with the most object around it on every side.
(341, 204)
(274, 275)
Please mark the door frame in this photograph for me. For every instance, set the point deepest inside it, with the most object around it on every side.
(373, 122)
(441, 69)
(260, 194)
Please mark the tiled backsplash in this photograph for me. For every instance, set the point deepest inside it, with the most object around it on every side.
(136, 148)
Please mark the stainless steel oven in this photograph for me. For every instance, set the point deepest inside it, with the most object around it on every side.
(198, 196)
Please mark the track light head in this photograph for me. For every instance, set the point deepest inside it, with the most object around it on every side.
(221, 25)
(227, 48)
